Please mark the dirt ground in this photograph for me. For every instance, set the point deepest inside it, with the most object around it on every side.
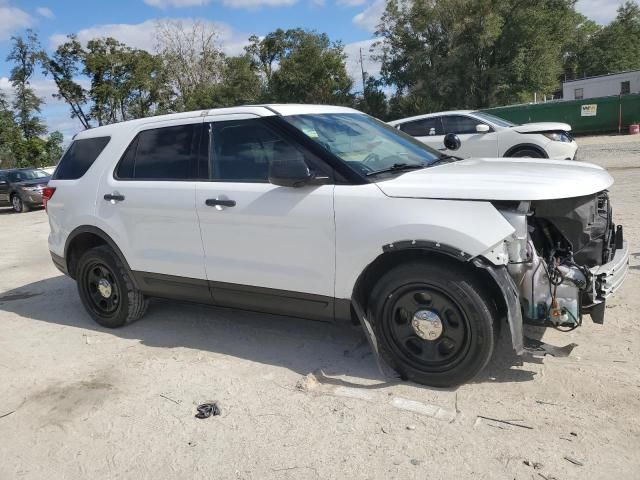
(81, 402)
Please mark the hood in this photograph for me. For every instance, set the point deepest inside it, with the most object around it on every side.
(542, 127)
(500, 179)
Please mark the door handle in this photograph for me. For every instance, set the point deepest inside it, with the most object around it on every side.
(114, 197)
(215, 202)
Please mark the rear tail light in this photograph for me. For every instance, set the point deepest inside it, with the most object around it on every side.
(47, 193)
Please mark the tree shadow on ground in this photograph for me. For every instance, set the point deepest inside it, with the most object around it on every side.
(302, 346)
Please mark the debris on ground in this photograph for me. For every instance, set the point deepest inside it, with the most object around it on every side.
(508, 422)
(206, 410)
(573, 460)
(434, 411)
(535, 465)
(307, 383)
(411, 427)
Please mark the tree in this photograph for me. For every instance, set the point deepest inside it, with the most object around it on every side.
(191, 57)
(614, 48)
(473, 53)
(25, 53)
(301, 66)
(9, 132)
(239, 85)
(373, 100)
(64, 67)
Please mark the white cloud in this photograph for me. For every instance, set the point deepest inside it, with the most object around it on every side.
(45, 12)
(350, 3)
(369, 18)
(141, 35)
(253, 4)
(12, 19)
(602, 11)
(371, 67)
(163, 4)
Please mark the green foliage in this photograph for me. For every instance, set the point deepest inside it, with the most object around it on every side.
(616, 47)
(373, 100)
(310, 68)
(474, 53)
(239, 85)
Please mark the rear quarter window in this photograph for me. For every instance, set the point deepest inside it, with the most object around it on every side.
(79, 157)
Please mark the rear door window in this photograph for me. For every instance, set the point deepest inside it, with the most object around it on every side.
(168, 153)
(423, 128)
(79, 157)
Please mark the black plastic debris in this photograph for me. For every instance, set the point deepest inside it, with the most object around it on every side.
(207, 410)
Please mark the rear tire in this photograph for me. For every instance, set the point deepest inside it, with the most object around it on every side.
(18, 205)
(107, 290)
(433, 322)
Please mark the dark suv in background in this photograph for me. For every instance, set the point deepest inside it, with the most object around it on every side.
(21, 188)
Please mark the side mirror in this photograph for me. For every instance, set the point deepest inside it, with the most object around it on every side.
(289, 172)
(482, 128)
(452, 142)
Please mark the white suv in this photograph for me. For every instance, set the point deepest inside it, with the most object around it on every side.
(485, 135)
(326, 213)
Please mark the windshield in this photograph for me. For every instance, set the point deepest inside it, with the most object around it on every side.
(366, 144)
(501, 122)
(22, 175)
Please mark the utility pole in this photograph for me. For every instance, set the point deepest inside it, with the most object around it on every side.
(364, 75)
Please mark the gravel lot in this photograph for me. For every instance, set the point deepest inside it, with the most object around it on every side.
(80, 401)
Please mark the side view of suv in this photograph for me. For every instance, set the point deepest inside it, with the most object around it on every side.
(326, 213)
(21, 188)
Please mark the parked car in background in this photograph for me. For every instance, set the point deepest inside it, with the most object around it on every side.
(21, 188)
(485, 135)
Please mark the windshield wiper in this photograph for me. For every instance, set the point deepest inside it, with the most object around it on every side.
(398, 167)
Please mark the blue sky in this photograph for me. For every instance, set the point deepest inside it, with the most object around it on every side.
(132, 21)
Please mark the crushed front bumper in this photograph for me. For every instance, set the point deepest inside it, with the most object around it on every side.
(607, 278)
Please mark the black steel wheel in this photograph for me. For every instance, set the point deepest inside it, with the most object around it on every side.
(433, 322)
(106, 289)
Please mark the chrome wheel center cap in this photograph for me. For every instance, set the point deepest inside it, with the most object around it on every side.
(104, 287)
(427, 325)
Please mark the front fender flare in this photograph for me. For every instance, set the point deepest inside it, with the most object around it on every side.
(509, 290)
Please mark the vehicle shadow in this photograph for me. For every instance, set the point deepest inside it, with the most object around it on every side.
(302, 346)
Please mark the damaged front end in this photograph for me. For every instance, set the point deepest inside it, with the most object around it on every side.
(566, 257)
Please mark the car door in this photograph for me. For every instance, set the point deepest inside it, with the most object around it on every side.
(4, 190)
(267, 247)
(427, 130)
(147, 204)
(474, 143)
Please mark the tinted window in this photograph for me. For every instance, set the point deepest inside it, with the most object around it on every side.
(79, 157)
(423, 128)
(459, 124)
(241, 150)
(22, 175)
(167, 153)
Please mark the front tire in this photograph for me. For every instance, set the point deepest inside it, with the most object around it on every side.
(433, 323)
(526, 153)
(107, 290)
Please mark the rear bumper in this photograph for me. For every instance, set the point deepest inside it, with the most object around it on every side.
(609, 277)
(59, 262)
(33, 198)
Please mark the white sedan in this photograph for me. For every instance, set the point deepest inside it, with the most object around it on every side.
(485, 135)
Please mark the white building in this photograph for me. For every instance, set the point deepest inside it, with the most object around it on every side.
(602, 86)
